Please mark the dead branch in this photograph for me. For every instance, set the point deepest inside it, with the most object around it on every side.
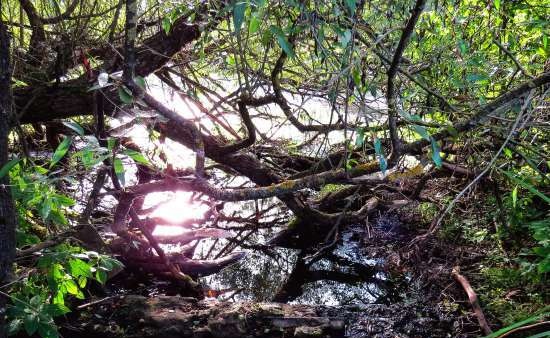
(472, 297)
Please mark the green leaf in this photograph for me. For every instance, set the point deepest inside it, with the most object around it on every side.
(59, 298)
(282, 40)
(125, 95)
(352, 5)
(526, 185)
(8, 166)
(452, 131)
(71, 286)
(82, 281)
(357, 77)
(101, 276)
(238, 15)
(140, 81)
(540, 314)
(14, 326)
(61, 150)
(136, 156)
(420, 130)
(166, 25)
(381, 158)
(436, 156)
(35, 301)
(31, 323)
(56, 310)
(383, 164)
(515, 196)
(497, 4)
(119, 170)
(378, 146)
(360, 138)
(111, 142)
(78, 267)
(476, 78)
(48, 330)
(507, 152)
(463, 47)
(254, 24)
(80, 295)
(111, 263)
(75, 127)
(45, 208)
(544, 265)
(544, 334)
(63, 200)
(345, 38)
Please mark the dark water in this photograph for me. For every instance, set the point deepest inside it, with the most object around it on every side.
(345, 275)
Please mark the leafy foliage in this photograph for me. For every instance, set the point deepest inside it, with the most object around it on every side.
(65, 271)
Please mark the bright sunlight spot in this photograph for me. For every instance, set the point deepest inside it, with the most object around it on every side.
(174, 208)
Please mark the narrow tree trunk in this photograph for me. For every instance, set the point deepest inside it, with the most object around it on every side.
(7, 211)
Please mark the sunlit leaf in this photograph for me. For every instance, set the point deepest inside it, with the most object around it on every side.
(526, 185)
(79, 268)
(420, 130)
(74, 126)
(71, 286)
(56, 310)
(254, 24)
(515, 196)
(119, 170)
(111, 142)
(136, 156)
(61, 150)
(166, 25)
(436, 156)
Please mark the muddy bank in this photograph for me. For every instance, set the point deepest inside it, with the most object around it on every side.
(174, 316)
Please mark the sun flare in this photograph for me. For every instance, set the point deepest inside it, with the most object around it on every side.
(174, 208)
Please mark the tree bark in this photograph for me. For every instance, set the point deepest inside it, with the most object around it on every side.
(7, 210)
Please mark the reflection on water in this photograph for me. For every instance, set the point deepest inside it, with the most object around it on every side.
(257, 277)
(346, 275)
